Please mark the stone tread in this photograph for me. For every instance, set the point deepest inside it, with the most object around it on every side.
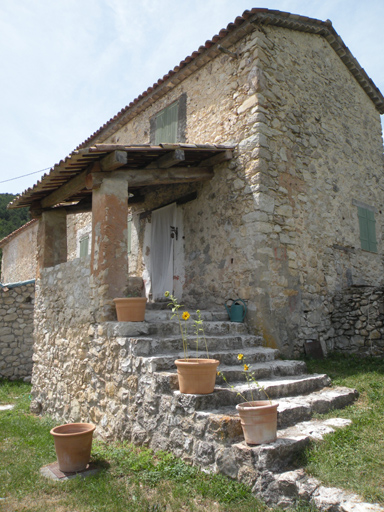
(165, 315)
(209, 327)
(294, 409)
(146, 345)
(227, 357)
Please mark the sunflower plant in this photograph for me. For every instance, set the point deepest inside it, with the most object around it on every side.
(249, 377)
(182, 318)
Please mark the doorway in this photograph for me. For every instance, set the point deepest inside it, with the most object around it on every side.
(164, 234)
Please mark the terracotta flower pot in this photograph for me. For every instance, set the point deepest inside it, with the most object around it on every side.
(197, 376)
(73, 443)
(130, 309)
(259, 421)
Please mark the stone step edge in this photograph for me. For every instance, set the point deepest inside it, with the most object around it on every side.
(128, 329)
(249, 351)
(305, 406)
(287, 488)
(237, 386)
(298, 400)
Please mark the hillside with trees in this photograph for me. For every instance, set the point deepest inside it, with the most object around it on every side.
(10, 220)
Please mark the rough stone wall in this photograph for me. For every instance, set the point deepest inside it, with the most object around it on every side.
(277, 226)
(16, 331)
(19, 256)
(358, 321)
(63, 313)
(78, 226)
(322, 150)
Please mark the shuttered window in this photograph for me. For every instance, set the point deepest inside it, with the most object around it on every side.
(367, 229)
(84, 246)
(166, 124)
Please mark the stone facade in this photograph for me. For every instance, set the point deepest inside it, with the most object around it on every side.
(278, 226)
(16, 331)
(19, 254)
(79, 226)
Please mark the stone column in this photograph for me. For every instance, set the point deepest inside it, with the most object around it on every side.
(109, 255)
(52, 239)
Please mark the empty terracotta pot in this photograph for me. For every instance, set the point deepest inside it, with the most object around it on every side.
(196, 376)
(259, 421)
(73, 443)
(130, 309)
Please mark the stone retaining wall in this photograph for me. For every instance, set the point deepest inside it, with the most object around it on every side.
(358, 321)
(16, 331)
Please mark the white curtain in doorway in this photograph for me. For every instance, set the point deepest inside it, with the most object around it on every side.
(162, 243)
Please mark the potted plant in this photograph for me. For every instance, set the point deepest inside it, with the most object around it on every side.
(196, 375)
(131, 308)
(258, 417)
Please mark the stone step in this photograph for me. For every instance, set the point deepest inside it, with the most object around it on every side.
(227, 358)
(206, 316)
(260, 371)
(289, 443)
(146, 346)
(170, 327)
(237, 392)
(223, 424)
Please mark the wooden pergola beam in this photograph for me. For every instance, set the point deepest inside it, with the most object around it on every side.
(217, 159)
(168, 160)
(114, 161)
(65, 191)
(145, 177)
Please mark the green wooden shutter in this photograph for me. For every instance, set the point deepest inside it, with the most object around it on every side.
(371, 231)
(367, 229)
(84, 244)
(166, 124)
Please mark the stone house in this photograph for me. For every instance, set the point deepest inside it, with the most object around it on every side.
(260, 155)
(253, 169)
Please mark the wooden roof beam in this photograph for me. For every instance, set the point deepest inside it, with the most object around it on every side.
(168, 160)
(114, 161)
(65, 191)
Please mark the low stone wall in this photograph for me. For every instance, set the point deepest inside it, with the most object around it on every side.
(358, 321)
(16, 331)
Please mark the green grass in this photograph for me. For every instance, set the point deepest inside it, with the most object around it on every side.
(131, 479)
(353, 457)
(134, 479)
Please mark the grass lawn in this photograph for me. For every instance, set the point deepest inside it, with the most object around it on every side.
(353, 457)
(131, 479)
(134, 479)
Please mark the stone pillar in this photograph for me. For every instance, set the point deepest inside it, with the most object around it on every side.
(109, 256)
(52, 239)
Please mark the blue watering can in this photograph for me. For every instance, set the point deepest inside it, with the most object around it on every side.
(237, 310)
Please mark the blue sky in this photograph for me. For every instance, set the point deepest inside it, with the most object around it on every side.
(68, 66)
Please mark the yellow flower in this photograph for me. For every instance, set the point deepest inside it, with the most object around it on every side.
(246, 367)
(166, 294)
(240, 357)
(185, 315)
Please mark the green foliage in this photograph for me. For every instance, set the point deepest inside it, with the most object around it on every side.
(10, 220)
(353, 457)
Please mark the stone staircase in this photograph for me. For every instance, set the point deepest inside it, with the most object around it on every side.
(205, 429)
